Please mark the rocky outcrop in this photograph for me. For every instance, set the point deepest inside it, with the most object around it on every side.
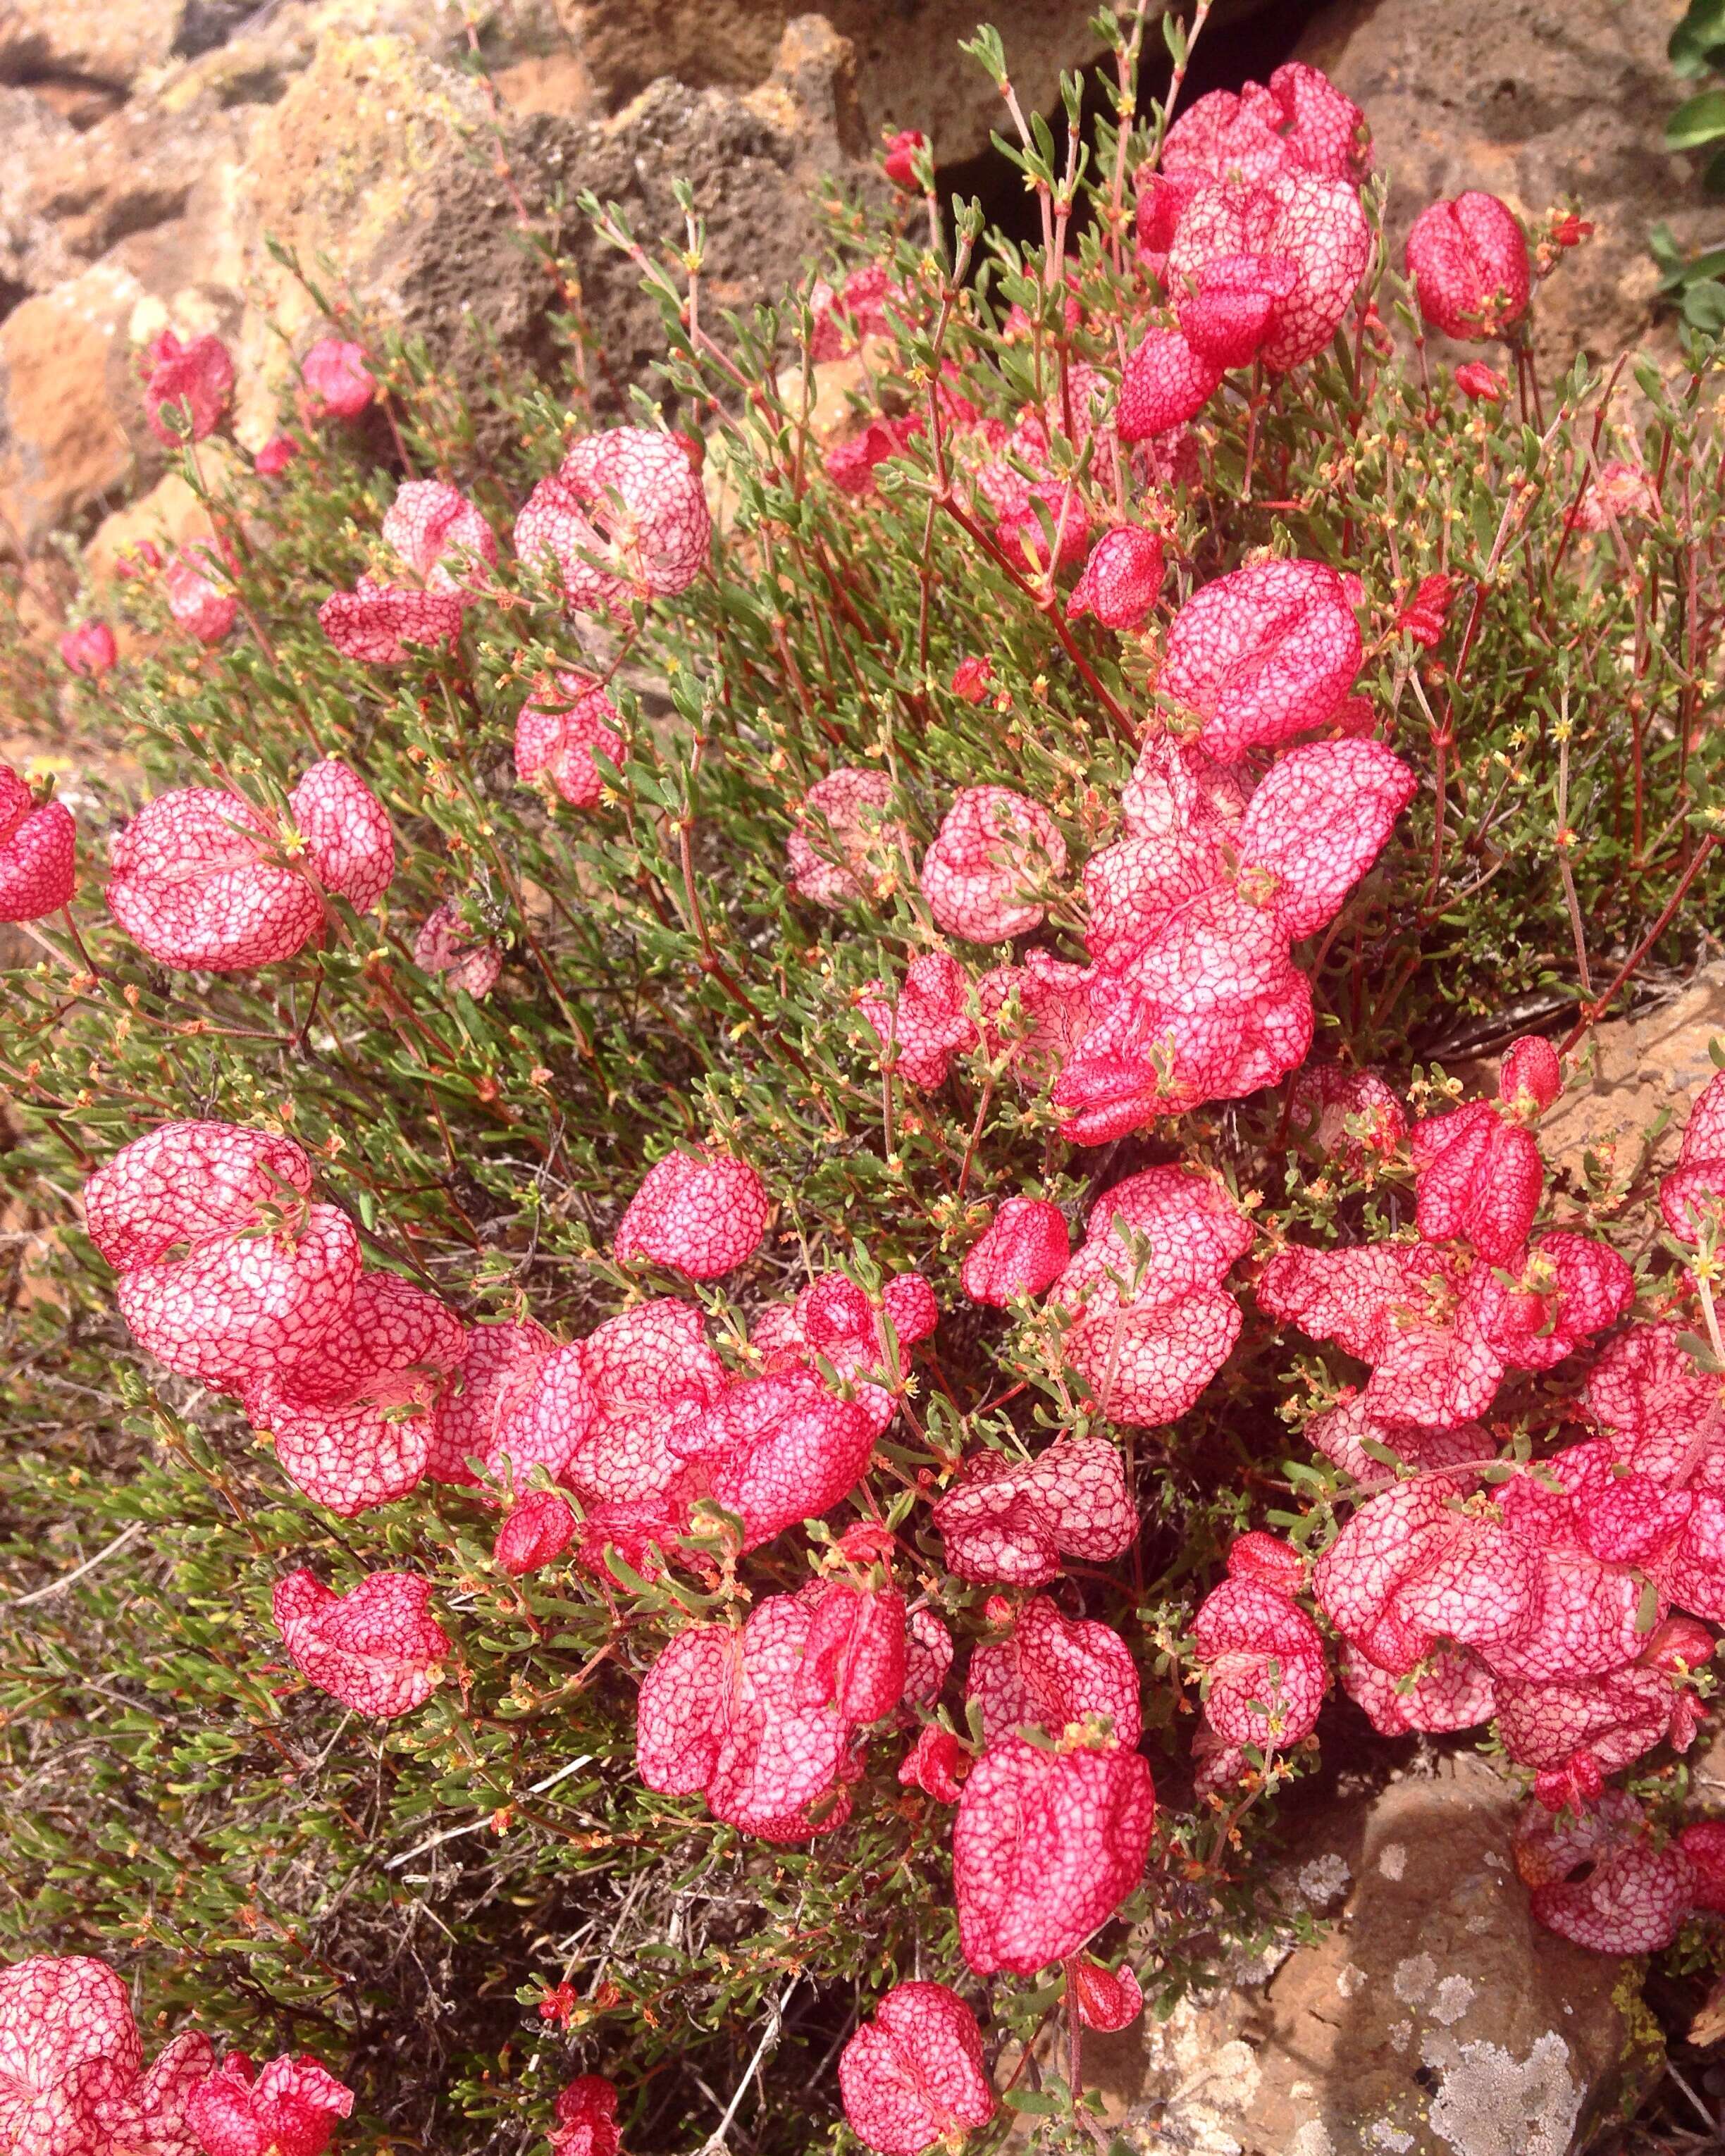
(1534, 102)
(1432, 2017)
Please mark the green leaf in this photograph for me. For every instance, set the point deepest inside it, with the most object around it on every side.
(1037, 2101)
(1698, 120)
(1704, 306)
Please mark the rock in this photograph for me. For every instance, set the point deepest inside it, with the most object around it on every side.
(37, 139)
(1434, 2018)
(1635, 1069)
(1532, 101)
(114, 43)
(71, 424)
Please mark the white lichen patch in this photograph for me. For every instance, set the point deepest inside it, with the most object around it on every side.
(1393, 1860)
(1321, 1880)
(1394, 2138)
(1350, 1978)
(1491, 2103)
(1401, 2035)
(1414, 1978)
(1312, 2139)
(1452, 2000)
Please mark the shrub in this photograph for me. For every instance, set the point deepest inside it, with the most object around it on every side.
(585, 1171)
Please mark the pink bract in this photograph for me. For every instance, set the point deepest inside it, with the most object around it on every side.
(240, 1306)
(89, 649)
(277, 453)
(540, 1526)
(927, 1024)
(1630, 1897)
(993, 850)
(1046, 1845)
(586, 2118)
(38, 868)
(203, 607)
(936, 1763)
(1299, 122)
(382, 625)
(1479, 1180)
(1023, 1251)
(700, 1214)
(1292, 221)
(1121, 578)
(190, 383)
(353, 1419)
(377, 1649)
(560, 732)
(71, 2066)
(203, 878)
(1106, 1999)
(1014, 1521)
(288, 2109)
(778, 1450)
(1692, 1197)
(1468, 259)
(1052, 1671)
(489, 1400)
(337, 383)
(623, 517)
(1147, 1350)
(187, 1183)
(843, 848)
(915, 2075)
(834, 1320)
(1263, 654)
(467, 960)
(440, 536)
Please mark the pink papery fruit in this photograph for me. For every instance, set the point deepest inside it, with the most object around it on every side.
(1453, 1690)
(1147, 1348)
(288, 2109)
(1050, 1671)
(1013, 1520)
(1600, 1880)
(1023, 1251)
(440, 536)
(354, 1419)
(377, 1649)
(586, 2118)
(71, 2066)
(198, 597)
(383, 624)
(468, 959)
(1266, 1671)
(855, 310)
(699, 1213)
(202, 878)
(844, 846)
(993, 850)
(1478, 1179)
(540, 1526)
(1299, 121)
(1354, 1118)
(832, 1321)
(38, 869)
(760, 1724)
(936, 1763)
(560, 732)
(1121, 580)
(915, 2075)
(187, 1183)
(1290, 221)
(489, 1403)
(923, 1027)
(1692, 1197)
(1046, 1845)
(851, 465)
(778, 1450)
(88, 648)
(1053, 1014)
(277, 453)
(1106, 1999)
(1468, 259)
(336, 383)
(605, 1409)
(1663, 1416)
(187, 387)
(1263, 654)
(623, 518)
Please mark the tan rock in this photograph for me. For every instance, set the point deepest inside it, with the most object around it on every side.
(114, 43)
(1530, 101)
(170, 515)
(1435, 2018)
(1637, 1072)
(553, 82)
(69, 410)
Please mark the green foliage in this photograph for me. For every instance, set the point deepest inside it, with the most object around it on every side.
(399, 1899)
